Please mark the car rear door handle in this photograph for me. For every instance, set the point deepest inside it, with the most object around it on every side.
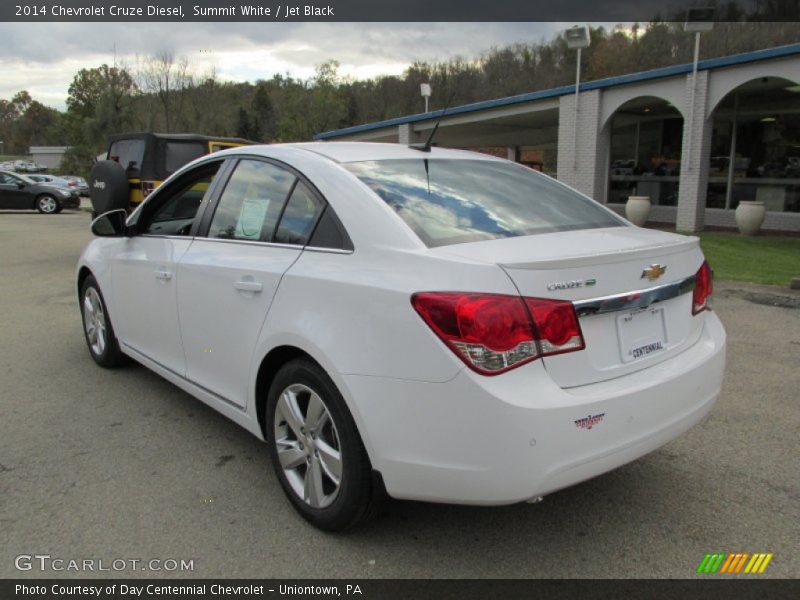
(244, 285)
(163, 274)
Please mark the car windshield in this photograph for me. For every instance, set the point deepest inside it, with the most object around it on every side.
(451, 201)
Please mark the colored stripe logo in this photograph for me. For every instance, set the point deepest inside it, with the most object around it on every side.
(735, 563)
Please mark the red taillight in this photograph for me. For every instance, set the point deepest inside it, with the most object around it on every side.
(493, 333)
(557, 324)
(147, 188)
(703, 288)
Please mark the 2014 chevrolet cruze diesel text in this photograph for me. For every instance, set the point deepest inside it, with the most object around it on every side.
(445, 325)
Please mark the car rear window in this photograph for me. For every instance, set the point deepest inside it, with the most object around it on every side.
(452, 201)
(128, 153)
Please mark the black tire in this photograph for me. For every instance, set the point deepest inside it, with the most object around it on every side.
(357, 496)
(108, 354)
(48, 204)
(108, 187)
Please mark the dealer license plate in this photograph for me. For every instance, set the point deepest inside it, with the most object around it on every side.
(642, 333)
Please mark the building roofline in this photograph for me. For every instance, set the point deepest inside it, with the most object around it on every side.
(703, 65)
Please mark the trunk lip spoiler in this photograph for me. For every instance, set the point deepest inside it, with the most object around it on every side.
(637, 299)
(607, 257)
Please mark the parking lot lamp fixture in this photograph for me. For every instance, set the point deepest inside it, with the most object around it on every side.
(425, 91)
(698, 20)
(578, 38)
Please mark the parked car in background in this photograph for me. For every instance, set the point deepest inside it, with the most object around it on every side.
(26, 166)
(455, 326)
(20, 192)
(623, 167)
(80, 184)
(53, 180)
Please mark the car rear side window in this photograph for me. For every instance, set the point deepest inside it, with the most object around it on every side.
(299, 217)
(251, 202)
(180, 153)
(451, 201)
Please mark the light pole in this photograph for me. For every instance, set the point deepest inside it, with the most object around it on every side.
(698, 20)
(578, 38)
(425, 91)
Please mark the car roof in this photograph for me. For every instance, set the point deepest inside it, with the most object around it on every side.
(345, 152)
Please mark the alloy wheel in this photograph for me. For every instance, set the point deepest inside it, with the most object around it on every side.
(307, 445)
(94, 320)
(48, 204)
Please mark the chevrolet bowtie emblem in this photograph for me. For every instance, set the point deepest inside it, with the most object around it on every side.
(653, 272)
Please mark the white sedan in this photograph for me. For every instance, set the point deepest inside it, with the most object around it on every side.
(439, 325)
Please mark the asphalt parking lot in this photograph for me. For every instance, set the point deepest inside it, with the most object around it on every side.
(121, 464)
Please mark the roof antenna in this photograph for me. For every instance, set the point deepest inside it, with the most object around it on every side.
(426, 147)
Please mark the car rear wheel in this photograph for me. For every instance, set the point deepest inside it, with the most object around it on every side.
(47, 204)
(316, 449)
(97, 326)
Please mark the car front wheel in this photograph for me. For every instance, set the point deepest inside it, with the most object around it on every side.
(97, 326)
(316, 449)
(47, 204)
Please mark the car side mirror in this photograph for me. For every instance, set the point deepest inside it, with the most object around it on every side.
(110, 224)
(20, 185)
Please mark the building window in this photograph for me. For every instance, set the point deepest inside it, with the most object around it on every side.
(645, 160)
(755, 147)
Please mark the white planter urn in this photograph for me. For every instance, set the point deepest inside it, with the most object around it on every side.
(637, 209)
(750, 216)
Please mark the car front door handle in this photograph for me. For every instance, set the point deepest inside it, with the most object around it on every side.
(244, 285)
(163, 274)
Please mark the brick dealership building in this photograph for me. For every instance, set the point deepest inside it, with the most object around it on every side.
(696, 147)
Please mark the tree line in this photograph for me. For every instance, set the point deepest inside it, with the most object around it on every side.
(164, 93)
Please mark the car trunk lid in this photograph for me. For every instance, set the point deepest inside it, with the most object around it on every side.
(631, 288)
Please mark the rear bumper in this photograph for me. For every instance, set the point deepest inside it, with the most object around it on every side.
(505, 439)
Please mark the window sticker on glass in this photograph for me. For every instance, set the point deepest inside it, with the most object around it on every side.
(251, 218)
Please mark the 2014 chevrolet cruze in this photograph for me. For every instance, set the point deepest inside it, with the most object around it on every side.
(445, 325)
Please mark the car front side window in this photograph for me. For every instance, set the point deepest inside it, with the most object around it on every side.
(174, 210)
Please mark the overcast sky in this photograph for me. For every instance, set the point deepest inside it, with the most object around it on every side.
(43, 57)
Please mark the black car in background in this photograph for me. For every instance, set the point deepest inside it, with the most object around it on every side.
(19, 192)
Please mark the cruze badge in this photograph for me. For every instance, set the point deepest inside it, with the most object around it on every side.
(653, 272)
(569, 285)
